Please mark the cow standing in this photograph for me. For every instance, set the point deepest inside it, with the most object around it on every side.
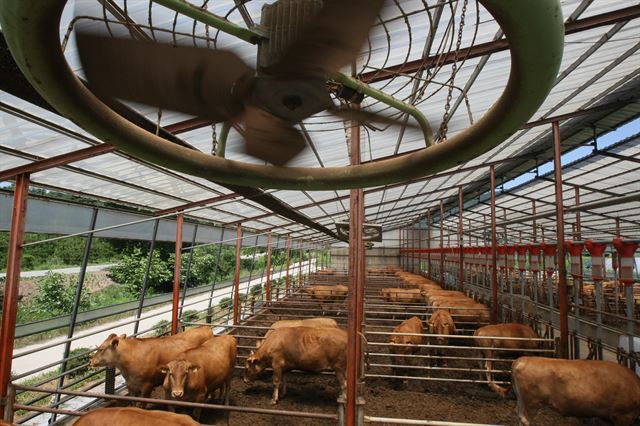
(578, 388)
(519, 331)
(405, 345)
(307, 322)
(195, 374)
(301, 348)
(442, 324)
(139, 360)
(133, 416)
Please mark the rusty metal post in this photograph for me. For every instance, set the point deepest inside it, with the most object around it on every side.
(12, 283)
(309, 258)
(301, 254)
(176, 274)
(429, 244)
(562, 267)
(356, 287)
(286, 282)
(236, 279)
(461, 240)
(441, 243)
(419, 245)
(268, 283)
(578, 286)
(400, 250)
(494, 250)
(413, 244)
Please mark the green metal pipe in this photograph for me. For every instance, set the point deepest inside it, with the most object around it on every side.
(222, 139)
(378, 95)
(206, 17)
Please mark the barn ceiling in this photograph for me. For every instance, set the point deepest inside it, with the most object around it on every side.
(596, 90)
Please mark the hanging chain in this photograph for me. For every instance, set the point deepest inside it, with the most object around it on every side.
(158, 121)
(214, 140)
(444, 126)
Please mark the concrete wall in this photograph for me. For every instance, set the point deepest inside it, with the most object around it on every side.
(375, 257)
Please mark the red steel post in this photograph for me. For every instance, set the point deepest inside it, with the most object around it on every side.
(460, 239)
(441, 243)
(176, 274)
(429, 244)
(268, 283)
(301, 254)
(236, 279)
(356, 286)
(419, 245)
(562, 267)
(286, 281)
(413, 245)
(12, 283)
(494, 250)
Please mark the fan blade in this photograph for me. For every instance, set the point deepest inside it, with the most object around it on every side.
(333, 39)
(365, 116)
(270, 138)
(202, 82)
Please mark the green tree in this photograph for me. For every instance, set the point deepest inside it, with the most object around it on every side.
(129, 272)
(57, 294)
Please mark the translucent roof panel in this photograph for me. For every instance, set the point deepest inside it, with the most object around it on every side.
(597, 62)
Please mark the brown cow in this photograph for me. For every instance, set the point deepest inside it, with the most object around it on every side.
(327, 292)
(133, 416)
(139, 360)
(324, 293)
(195, 374)
(578, 388)
(307, 322)
(519, 331)
(405, 345)
(302, 348)
(441, 323)
(401, 295)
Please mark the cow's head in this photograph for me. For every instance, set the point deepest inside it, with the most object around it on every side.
(177, 373)
(442, 324)
(252, 367)
(107, 354)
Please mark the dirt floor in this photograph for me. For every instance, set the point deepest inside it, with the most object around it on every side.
(430, 401)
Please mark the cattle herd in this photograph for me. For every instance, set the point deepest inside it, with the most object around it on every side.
(197, 366)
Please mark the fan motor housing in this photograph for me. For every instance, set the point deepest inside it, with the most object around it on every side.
(285, 21)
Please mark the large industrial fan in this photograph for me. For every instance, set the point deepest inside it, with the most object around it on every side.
(306, 63)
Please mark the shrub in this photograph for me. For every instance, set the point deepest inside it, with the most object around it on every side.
(56, 295)
(225, 303)
(162, 328)
(129, 272)
(190, 316)
(256, 290)
(84, 355)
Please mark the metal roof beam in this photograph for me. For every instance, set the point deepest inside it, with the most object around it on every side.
(495, 46)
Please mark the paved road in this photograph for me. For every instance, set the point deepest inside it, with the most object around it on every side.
(65, 271)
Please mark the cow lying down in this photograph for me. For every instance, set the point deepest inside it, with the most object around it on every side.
(299, 348)
(578, 388)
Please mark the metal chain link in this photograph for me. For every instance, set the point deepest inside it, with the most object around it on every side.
(444, 126)
(214, 140)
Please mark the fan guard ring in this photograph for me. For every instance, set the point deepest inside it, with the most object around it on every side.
(31, 28)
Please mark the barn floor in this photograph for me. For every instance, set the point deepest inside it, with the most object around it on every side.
(433, 401)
